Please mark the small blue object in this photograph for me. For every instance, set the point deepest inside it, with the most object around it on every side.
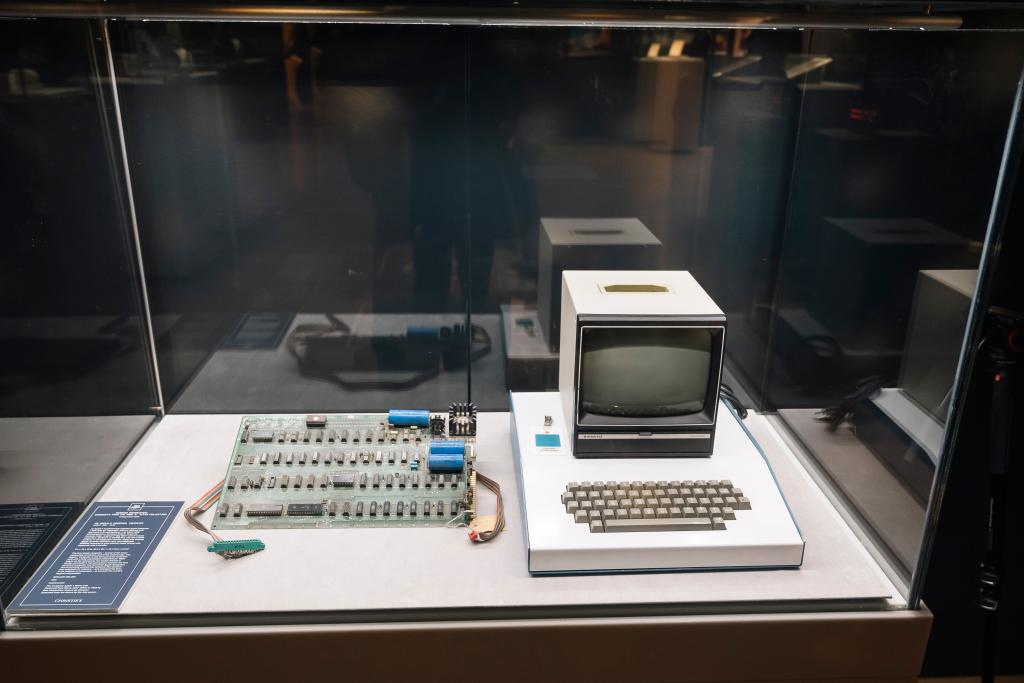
(423, 332)
(409, 418)
(446, 462)
(447, 456)
(547, 441)
(447, 447)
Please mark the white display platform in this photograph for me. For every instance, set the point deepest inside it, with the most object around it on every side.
(762, 537)
(388, 574)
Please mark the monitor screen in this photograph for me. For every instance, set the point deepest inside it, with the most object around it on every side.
(644, 371)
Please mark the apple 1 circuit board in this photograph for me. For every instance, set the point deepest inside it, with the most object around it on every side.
(396, 469)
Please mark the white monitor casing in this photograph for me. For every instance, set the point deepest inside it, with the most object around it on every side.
(602, 298)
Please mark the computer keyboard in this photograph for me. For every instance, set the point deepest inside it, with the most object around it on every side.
(617, 506)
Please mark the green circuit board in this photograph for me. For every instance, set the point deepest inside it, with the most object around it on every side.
(340, 471)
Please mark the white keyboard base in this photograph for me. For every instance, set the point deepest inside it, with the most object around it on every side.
(765, 536)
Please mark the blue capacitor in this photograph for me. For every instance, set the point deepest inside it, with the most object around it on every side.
(423, 332)
(447, 456)
(409, 418)
(447, 447)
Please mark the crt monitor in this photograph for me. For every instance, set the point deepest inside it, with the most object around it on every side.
(640, 364)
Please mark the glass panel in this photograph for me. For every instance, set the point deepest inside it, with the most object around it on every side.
(626, 149)
(900, 141)
(75, 382)
(300, 195)
(829, 189)
(356, 217)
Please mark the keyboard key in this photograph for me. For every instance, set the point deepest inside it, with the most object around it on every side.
(648, 513)
(597, 526)
(582, 517)
(636, 513)
(742, 503)
(675, 512)
(718, 523)
(661, 513)
(669, 524)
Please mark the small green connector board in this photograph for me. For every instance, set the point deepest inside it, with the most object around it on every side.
(344, 471)
(233, 549)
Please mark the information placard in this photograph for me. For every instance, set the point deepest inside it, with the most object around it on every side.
(27, 531)
(96, 564)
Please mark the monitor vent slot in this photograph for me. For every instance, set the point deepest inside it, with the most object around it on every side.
(635, 288)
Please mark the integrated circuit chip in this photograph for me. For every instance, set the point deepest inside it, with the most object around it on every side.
(343, 481)
(305, 509)
(265, 510)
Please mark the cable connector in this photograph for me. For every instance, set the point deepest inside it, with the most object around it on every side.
(474, 536)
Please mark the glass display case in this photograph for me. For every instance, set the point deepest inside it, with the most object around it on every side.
(342, 210)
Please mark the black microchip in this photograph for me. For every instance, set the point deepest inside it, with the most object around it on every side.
(261, 436)
(316, 420)
(265, 510)
(343, 481)
(305, 509)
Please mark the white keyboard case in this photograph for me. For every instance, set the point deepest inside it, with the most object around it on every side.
(766, 536)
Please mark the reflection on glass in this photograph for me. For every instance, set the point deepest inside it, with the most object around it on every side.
(75, 389)
(301, 198)
(821, 185)
(356, 216)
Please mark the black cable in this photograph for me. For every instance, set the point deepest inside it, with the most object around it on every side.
(730, 397)
(859, 391)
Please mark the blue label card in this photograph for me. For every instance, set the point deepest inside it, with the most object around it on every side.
(547, 441)
(99, 560)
